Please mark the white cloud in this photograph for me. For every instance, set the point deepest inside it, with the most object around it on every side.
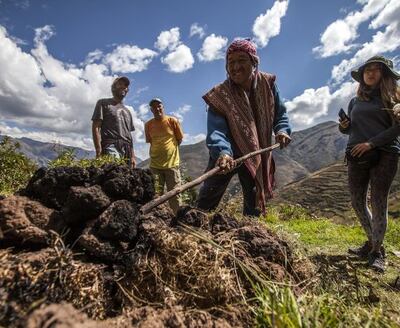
(384, 41)
(43, 98)
(143, 112)
(196, 29)
(168, 39)
(181, 112)
(213, 48)
(92, 57)
(179, 60)
(129, 59)
(44, 33)
(71, 139)
(388, 16)
(268, 25)
(317, 105)
(192, 139)
(335, 38)
(339, 35)
(310, 105)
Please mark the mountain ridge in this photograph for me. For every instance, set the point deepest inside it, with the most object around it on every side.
(44, 152)
(310, 150)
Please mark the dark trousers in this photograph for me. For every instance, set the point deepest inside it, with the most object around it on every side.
(380, 178)
(214, 188)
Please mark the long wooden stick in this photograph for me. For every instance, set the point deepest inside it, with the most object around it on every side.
(146, 208)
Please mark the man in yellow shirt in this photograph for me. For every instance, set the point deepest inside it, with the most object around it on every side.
(164, 133)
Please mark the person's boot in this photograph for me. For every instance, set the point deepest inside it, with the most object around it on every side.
(362, 251)
(376, 261)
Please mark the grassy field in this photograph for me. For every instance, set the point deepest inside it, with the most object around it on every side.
(344, 291)
(348, 293)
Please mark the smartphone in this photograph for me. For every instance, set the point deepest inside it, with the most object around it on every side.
(342, 114)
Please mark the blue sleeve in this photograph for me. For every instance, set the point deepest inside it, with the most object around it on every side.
(218, 135)
(281, 119)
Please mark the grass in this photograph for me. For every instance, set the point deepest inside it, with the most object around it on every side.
(321, 234)
(347, 293)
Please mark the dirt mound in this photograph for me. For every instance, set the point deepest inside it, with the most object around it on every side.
(66, 316)
(61, 316)
(125, 268)
(52, 187)
(27, 221)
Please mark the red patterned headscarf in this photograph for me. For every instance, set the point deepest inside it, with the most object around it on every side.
(246, 46)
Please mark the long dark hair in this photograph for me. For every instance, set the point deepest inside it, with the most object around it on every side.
(390, 91)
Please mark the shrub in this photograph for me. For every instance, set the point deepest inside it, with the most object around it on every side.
(67, 157)
(189, 196)
(15, 168)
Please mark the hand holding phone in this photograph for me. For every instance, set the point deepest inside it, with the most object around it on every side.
(344, 119)
(343, 116)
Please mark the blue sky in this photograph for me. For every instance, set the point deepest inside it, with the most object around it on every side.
(58, 57)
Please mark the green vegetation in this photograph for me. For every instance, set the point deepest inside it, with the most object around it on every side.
(321, 234)
(189, 196)
(15, 168)
(67, 158)
(344, 292)
(347, 293)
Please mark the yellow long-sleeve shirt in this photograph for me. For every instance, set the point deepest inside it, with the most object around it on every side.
(164, 137)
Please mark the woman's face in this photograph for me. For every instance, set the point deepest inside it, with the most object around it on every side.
(372, 74)
(240, 67)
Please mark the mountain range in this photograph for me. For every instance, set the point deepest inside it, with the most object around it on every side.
(44, 152)
(309, 172)
(310, 150)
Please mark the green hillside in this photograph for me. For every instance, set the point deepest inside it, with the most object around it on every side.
(326, 193)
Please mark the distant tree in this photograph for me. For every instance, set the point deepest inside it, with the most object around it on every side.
(15, 168)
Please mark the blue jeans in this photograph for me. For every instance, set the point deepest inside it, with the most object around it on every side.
(214, 188)
(112, 151)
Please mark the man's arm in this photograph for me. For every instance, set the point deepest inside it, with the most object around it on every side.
(178, 132)
(147, 132)
(219, 142)
(218, 136)
(96, 128)
(282, 128)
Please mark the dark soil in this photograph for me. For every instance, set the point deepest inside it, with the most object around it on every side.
(78, 237)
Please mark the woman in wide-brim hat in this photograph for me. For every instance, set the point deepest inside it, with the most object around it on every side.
(372, 151)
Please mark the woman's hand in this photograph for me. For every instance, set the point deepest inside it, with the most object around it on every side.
(344, 124)
(226, 163)
(359, 149)
(283, 139)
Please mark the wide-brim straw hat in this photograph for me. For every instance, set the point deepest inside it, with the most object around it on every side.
(357, 73)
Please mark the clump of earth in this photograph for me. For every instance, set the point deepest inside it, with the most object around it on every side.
(75, 251)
